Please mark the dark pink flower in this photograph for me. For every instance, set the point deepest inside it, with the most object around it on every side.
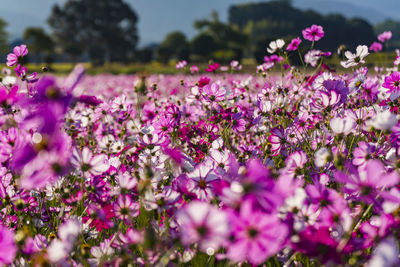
(294, 44)
(392, 82)
(213, 67)
(313, 33)
(376, 47)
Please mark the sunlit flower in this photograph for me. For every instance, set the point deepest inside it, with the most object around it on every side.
(203, 224)
(357, 58)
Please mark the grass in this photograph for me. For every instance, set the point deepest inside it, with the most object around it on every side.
(249, 66)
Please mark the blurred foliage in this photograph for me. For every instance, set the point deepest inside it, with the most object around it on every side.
(40, 44)
(104, 30)
(279, 19)
(219, 39)
(174, 46)
(3, 36)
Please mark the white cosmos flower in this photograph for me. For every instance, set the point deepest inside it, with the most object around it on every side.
(385, 254)
(321, 157)
(384, 120)
(357, 58)
(342, 125)
(89, 163)
(275, 45)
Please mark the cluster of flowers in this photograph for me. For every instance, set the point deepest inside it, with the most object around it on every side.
(296, 169)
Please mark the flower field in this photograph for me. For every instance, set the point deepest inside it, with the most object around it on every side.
(286, 166)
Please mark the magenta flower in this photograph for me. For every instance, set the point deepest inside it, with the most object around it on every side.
(385, 36)
(313, 33)
(7, 245)
(294, 44)
(366, 184)
(214, 93)
(203, 224)
(257, 236)
(392, 82)
(18, 53)
(376, 47)
(212, 67)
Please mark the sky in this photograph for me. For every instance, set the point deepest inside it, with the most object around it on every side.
(159, 17)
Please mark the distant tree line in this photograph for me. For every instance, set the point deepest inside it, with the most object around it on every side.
(105, 31)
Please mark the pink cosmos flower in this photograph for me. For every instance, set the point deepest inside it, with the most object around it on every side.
(194, 69)
(212, 67)
(181, 64)
(392, 82)
(376, 47)
(367, 184)
(204, 224)
(214, 93)
(8, 249)
(313, 33)
(294, 44)
(125, 208)
(312, 57)
(385, 36)
(18, 53)
(90, 164)
(257, 236)
(362, 154)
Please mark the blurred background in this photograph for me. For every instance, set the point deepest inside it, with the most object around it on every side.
(140, 34)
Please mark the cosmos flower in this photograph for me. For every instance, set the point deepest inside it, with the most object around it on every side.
(357, 58)
(203, 176)
(294, 44)
(392, 82)
(376, 47)
(125, 208)
(385, 36)
(90, 164)
(367, 183)
(204, 224)
(7, 243)
(214, 93)
(257, 236)
(275, 45)
(18, 53)
(313, 33)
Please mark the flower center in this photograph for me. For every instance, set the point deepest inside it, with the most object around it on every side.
(202, 184)
(85, 167)
(252, 232)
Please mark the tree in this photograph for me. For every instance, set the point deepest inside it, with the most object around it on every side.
(104, 30)
(175, 46)
(39, 42)
(226, 36)
(203, 46)
(3, 37)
